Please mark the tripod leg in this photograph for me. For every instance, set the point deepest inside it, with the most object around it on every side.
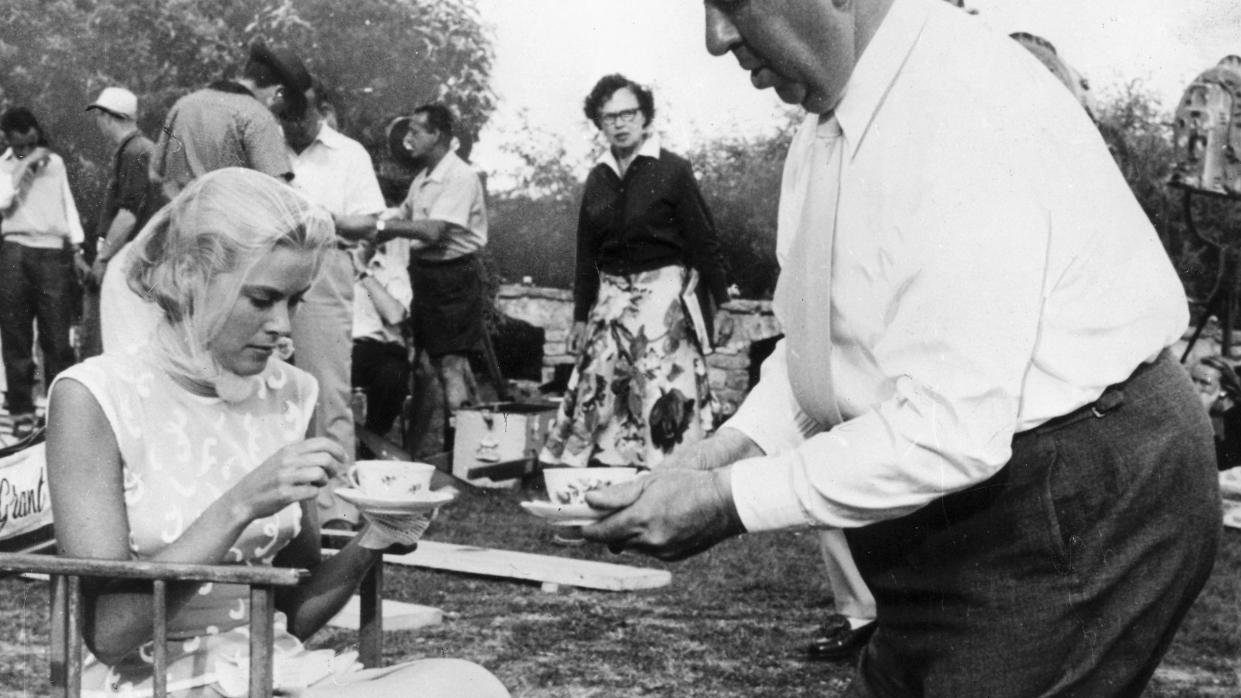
(1221, 303)
(1211, 308)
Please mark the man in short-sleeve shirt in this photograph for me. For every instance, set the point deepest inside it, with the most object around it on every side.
(231, 123)
(227, 124)
(445, 216)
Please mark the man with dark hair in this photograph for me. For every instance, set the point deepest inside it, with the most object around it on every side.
(129, 198)
(445, 218)
(42, 243)
(335, 172)
(230, 123)
(975, 383)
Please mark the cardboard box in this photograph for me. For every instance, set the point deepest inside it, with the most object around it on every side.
(498, 433)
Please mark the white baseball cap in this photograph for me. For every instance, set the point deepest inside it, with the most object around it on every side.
(118, 101)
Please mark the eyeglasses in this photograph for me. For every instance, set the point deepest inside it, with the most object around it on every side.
(627, 116)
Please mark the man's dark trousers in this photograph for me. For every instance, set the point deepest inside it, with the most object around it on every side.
(34, 284)
(1065, 574)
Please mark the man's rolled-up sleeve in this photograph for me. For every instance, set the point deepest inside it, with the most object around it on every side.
(937, 406)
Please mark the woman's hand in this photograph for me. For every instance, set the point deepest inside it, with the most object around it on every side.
(577, 337)
(295, 473)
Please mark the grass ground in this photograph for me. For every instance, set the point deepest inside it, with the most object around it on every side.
(732, 623)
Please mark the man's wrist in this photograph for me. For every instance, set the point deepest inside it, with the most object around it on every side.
(722, 482)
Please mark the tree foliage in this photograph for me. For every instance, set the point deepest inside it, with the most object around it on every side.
(1140, 137)
(534, 222)
(382, 57)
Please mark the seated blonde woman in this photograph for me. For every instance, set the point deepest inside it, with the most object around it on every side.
(191, 449)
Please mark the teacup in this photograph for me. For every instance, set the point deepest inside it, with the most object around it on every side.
(391, 479)
(567, 486)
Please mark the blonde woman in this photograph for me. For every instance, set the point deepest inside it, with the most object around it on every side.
(191, 449)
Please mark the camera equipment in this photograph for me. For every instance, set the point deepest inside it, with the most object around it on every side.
(1207, 161)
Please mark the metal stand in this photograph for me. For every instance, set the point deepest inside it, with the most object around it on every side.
(1222, 303)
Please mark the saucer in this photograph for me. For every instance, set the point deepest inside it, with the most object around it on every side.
(565, 514)
(424, 502)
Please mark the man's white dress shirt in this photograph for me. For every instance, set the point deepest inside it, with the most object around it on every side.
(987, 269)
(336, 172)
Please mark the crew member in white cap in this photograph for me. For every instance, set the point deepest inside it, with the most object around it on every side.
(129, 201)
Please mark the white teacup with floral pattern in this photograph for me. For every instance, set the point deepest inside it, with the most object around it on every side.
(391, 479)
(568, 486)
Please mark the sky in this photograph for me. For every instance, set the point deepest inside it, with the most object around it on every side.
(549, 53)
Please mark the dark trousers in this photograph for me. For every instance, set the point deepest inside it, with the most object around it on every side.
(1065, 574)
(35, 284)
(382, 368)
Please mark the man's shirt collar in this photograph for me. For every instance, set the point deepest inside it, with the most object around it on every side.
(878, 68)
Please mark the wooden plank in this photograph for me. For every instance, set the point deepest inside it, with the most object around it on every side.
(397, 615)
(1232, 513)
(543, 569)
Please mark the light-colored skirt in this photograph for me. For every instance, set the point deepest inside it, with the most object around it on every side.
(216, 665)
(639, 390)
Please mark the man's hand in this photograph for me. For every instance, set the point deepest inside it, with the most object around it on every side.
(81, 268)
(97, 270)
(669, 514)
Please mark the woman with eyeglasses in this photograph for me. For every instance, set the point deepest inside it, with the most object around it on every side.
(646, 254)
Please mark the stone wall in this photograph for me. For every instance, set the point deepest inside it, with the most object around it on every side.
(729, 366)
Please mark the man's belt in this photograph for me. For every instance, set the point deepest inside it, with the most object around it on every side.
(455, 261)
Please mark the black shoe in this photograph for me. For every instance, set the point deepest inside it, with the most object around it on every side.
(837, 640)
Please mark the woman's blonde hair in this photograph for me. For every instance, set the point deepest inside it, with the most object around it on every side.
(193, 256)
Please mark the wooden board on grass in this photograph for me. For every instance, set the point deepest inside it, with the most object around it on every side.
(1232, 513)
(546, 569)
(398, 615)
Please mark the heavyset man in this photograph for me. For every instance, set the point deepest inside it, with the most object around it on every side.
(974, 384)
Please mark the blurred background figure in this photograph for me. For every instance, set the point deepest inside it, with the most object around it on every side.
(41, 250)
(1046, 53)
(129, 199)
(231, 123)
(335, 172)
(1219, 387)
(444, 218)
(639, 388)
(381, 300)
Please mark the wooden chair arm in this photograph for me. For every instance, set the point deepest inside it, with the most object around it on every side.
(65, 641)
(135, 569)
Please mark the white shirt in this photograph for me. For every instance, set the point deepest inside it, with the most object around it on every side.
(990, 271)
(390, 267)
(45, 216)
(453, 193)
(650, 148)
(336, 172)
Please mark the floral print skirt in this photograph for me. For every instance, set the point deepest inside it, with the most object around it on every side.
(639, 390)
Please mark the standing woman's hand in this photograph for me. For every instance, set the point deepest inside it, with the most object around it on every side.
(577, 337)
(295, 473)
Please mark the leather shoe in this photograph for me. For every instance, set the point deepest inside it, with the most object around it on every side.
(837, 640)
